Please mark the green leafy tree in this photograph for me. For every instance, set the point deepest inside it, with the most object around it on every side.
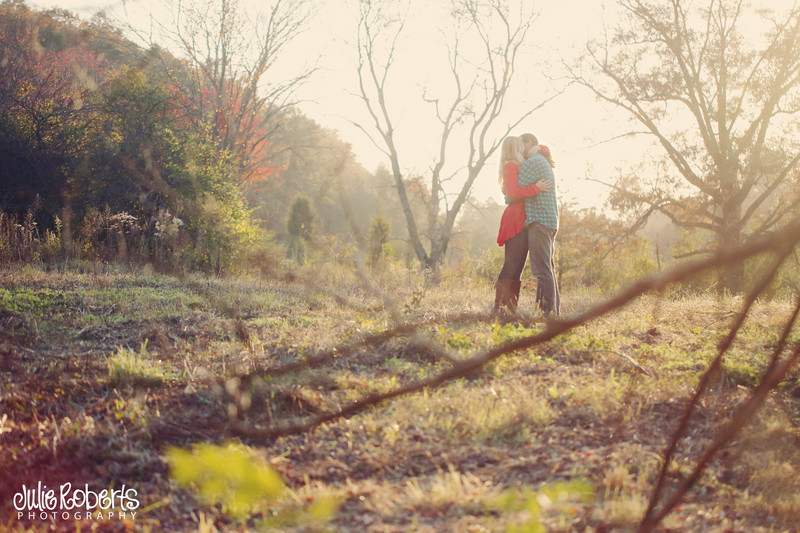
(171, 176)
(379, 234)
(111, 148)
(300, 226)
(46, 108)
(301, 219)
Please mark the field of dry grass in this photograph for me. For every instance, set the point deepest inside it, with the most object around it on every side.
(103, 372)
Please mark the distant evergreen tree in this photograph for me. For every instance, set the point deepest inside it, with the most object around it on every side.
(379, 232)
(300, 226)
(301, 219)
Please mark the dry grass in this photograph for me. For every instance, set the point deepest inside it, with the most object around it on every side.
(100, 372)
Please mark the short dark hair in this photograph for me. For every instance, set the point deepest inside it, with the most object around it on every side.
(530, 137)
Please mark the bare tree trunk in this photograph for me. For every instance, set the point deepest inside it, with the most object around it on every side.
(439, 243)
(411, 223)
(66, 228)
(730, 236)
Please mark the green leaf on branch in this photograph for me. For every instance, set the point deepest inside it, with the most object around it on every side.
(230, 475)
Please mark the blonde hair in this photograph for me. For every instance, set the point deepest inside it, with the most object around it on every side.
(513, 151)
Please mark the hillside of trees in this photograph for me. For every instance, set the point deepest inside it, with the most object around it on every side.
(115, 159)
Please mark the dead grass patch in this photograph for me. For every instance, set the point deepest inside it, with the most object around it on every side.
(433, 461)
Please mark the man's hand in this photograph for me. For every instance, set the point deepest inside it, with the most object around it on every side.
(544, 185)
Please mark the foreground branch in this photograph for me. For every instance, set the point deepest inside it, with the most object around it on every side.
(651, 518)
(779, 242)
(772, 377)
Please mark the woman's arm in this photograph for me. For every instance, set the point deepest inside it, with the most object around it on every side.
(513, 189)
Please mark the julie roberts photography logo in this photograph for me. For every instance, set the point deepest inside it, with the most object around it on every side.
(75, 503)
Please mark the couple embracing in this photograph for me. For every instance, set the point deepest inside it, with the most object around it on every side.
(529, 224)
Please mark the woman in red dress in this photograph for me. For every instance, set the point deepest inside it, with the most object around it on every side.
(512, 155)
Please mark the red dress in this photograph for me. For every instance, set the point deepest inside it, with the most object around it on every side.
(513, 219)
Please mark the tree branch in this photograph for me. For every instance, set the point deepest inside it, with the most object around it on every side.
(778, 242)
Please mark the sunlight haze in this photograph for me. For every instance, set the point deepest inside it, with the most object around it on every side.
(574, 124)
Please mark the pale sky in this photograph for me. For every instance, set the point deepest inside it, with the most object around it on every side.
(572, 125)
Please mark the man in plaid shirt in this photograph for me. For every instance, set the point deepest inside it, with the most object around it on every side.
(541, 225)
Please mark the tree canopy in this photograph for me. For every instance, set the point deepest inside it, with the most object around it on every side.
(720, 101)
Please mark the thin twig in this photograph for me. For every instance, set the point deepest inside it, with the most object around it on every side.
(628, 358)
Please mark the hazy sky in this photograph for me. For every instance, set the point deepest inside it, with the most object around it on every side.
(571, 125)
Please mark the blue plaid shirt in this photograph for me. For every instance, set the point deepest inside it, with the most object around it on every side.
(542, 208)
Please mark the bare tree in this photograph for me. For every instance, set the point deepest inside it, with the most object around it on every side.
(469, 117)
(230, 52)
(720, 99)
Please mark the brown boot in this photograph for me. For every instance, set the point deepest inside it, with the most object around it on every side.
(501, 289)
(513, 298)
(505, 298)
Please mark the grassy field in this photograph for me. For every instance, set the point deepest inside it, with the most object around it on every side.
(103, 372)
